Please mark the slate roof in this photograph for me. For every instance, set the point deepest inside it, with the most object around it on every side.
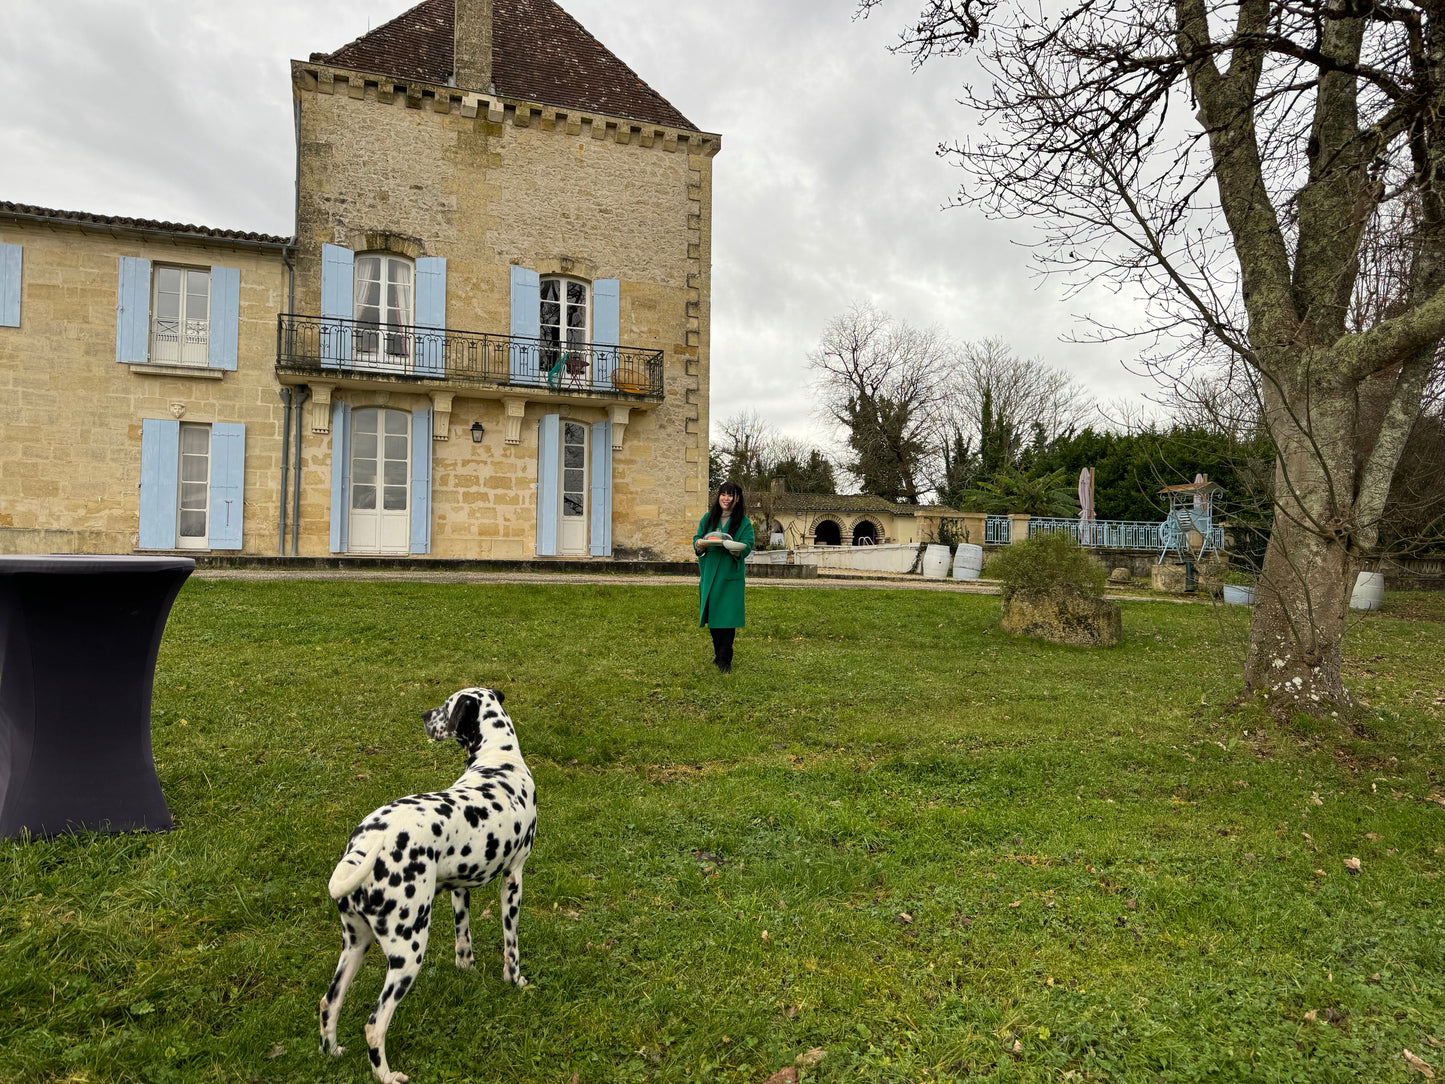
(539, 54)
(85, 218)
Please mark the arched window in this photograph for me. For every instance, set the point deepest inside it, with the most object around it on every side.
(827, 533)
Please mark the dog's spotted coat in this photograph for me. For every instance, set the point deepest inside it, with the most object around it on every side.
(401, 855)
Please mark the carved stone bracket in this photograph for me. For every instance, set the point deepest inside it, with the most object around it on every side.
(619, 424)
(321, 408)
(441, 414)
(514, 409)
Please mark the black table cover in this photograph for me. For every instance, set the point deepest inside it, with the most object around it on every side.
(78, 642)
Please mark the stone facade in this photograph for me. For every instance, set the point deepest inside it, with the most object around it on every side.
(478, 185)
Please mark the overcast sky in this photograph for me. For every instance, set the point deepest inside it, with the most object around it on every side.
(827, 189)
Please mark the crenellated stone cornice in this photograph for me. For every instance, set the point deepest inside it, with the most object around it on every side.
(316, 78)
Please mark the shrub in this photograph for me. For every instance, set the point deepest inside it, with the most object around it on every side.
(950, 533)
(1045, 562)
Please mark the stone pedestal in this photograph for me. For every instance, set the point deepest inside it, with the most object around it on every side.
(1167, 578)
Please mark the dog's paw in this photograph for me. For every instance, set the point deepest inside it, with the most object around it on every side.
(466, 963)
(334, 1051)
(519, 980)
(392, 1078)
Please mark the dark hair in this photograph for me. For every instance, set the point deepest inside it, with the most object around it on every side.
(740, 509)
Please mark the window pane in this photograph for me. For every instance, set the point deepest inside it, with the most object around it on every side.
(364, 421)
(572, 433)
(193, 495)
(394, 473)
(198, 295)
(396, 422)
(192, 524)
(363, 471)
(193, 468)
(577, 317)
(572, 481)
(550, 290)
(573, 456)
(364, 445)
(551, 314)
(576, 293)
(395, 498)
(168, 293)
(363, 497)
(571, 505)
(395, 448)
(195, 440)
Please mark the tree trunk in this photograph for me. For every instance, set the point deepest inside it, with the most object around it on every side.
(1296, 638)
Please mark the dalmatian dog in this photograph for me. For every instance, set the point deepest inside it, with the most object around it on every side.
(478, 830)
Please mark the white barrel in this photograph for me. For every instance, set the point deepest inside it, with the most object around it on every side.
(1369, 592)
(967, 562)
(935, 561)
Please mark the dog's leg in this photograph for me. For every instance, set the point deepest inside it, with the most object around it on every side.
(356, 938)
(461, 902)
(511, 901)
(404, 952)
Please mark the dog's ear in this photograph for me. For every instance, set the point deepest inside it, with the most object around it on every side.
(501, 696)
(466, 721)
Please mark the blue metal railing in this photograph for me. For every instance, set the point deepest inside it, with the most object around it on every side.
(996, 531)
(1114, 534)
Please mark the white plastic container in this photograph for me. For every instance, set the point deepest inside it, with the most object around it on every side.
(1369, 592)
(967, 562)
(935, 562)
(1238, 596)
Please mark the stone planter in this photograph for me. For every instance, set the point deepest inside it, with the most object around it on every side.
(1065, 615)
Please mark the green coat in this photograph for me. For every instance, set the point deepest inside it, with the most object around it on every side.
(720, 595)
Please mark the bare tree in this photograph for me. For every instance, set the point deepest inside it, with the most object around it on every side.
(885, 383)
(1234, 161)
(1031, 398)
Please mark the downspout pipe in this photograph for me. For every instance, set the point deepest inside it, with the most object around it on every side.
(301, 395)
(285, 462)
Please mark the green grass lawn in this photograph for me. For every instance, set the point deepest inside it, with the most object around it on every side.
(893, 835)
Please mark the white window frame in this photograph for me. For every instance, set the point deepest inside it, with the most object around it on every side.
(183, 339)
(387, 305)
(188, 488)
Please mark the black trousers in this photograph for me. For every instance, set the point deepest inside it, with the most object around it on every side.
(722, 648)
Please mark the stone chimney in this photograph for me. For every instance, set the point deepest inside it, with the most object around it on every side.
(472, 43)
(779, 487)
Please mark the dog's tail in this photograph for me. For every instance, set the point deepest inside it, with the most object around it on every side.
(355, 864)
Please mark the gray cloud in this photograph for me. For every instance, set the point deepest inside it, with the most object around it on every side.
(827, 189)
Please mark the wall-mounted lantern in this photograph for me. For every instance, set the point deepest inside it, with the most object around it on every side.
(477, 432)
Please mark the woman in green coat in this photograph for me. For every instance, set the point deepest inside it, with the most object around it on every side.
(720, 593)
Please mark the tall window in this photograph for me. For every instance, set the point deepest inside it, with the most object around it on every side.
(193, 501)
(181, 320)
(382, 287)
(563, 318)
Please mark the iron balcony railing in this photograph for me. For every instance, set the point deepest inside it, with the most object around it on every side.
(319, 345)
(1114, 534)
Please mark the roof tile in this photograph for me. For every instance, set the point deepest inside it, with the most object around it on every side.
(539, 54)
(86, 218)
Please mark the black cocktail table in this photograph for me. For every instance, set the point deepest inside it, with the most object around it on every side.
(78, 642)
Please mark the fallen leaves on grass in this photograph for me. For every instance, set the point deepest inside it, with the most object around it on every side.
(1353, 865)
(1420, 1065)
(811, 1058)
(785, 1075)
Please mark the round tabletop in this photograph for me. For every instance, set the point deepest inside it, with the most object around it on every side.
(91, 563)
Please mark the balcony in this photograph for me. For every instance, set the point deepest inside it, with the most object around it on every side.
(317, 348)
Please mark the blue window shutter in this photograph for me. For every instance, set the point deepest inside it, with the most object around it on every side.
(160, 459)
(431, 312)
(225, 318)
(9, 285)
(228, 483)
(340, 475)
(606, 325)
(601, 495)
(337, 304)
(549, 439)
(421, 480)
(526, 322)
(133, 312)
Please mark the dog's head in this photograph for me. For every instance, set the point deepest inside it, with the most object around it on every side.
(469, 716)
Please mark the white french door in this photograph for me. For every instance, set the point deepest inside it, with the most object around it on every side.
(572, 491)
(380, 499)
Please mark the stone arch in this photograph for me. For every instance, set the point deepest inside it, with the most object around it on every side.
(387, 241)
(573, 266)
(826, 532)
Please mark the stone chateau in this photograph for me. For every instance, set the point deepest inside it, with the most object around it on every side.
(488, 338)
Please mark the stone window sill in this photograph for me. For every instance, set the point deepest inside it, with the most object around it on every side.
(199, 372)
